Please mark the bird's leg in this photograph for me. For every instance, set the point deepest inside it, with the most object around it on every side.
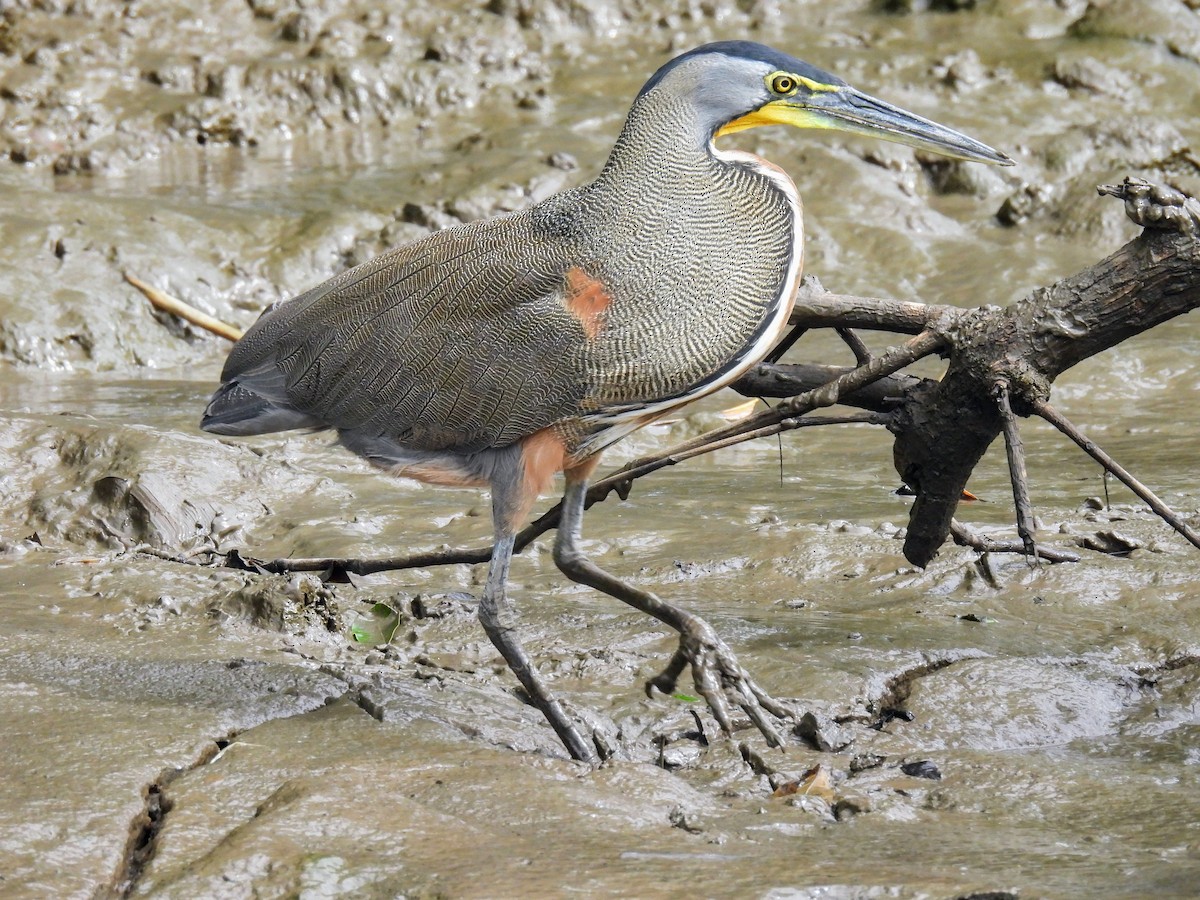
(718, 675)
(499, 620)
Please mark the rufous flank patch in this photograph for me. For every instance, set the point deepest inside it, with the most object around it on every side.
(587, 299)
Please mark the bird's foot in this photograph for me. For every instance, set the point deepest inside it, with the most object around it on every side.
(720, 680)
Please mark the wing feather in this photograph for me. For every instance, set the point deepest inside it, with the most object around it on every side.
(458, 342)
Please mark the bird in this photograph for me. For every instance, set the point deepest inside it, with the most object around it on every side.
(502, 352)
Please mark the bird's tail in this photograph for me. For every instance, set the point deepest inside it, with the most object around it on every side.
(237, 410)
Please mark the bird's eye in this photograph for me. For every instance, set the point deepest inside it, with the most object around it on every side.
(783, 84)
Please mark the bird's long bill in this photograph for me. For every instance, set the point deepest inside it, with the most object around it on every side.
(848, 109)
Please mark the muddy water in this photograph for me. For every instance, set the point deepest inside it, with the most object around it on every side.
(180, 731)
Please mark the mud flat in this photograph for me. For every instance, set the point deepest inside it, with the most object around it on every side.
(172, 730)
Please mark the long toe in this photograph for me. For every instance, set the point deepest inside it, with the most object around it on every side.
(722, 682)
(667, 680)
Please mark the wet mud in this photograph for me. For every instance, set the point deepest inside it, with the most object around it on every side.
(976, 728)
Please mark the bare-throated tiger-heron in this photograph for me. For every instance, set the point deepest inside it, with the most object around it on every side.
(505, 351)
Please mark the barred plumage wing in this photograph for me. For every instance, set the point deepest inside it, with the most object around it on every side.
(460, 341)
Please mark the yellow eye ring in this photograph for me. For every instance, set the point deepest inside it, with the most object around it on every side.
(783, 84)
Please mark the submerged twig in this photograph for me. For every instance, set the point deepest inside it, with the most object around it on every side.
(966, 537)
(1055, 418)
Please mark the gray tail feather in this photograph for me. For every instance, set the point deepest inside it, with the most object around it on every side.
(237, 410)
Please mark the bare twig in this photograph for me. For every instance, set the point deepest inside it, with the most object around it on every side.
(1055, 418)
(761, 425)
(785, 344)
(160, 300)
(862, 355)
(1015, 450)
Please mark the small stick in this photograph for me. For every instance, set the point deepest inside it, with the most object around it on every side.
(355, 566)
(790, 410)
(862, 354)
(188, 313)
(1017, 473)
(1055, 418)
(639, 468)
(892, 360)
(786, 344)
(965, 537)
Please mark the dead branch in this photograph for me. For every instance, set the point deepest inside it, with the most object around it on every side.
(965, 537)
(817, 308)
(790, 379)
(176, 307)
(944, 428)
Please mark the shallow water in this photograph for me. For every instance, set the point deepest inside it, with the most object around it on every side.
(1058, 703)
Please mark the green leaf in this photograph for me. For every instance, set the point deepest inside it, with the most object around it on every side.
(376, 626)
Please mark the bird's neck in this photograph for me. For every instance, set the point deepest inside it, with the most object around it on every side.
(700, 251)
(665, 153)
(661, 138)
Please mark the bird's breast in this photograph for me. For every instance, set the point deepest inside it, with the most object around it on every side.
(690, 283)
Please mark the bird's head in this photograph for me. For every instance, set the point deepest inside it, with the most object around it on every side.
(735, 85)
